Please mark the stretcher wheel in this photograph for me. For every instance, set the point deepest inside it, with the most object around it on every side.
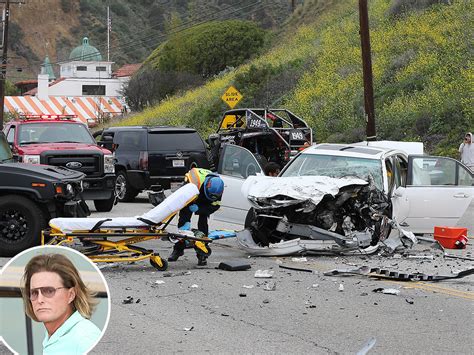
(154, 261)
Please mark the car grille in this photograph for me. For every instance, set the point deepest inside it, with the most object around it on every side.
(90, 163)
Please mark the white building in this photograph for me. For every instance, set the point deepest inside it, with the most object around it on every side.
(85, 74)
(86, 88)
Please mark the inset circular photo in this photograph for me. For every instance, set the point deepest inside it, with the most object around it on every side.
(53, 300)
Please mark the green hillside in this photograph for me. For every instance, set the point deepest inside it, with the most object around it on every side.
(422, 64)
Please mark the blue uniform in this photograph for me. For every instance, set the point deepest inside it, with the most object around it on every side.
(76, 336)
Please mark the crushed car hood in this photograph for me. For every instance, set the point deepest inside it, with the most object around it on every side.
(263, 190)
(319, 214)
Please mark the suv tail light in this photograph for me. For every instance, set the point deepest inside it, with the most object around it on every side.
(143, 160)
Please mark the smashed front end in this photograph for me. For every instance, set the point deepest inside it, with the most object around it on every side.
(315, 214)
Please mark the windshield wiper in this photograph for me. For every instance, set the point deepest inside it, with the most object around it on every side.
(67, 142)
(32, 142)
(5, 160)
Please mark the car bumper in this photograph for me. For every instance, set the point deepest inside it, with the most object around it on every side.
(141, 180)
(76, 209)
(101, 188)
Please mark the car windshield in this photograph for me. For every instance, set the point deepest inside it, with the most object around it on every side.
(5, 151)
(36, 133)
(336, 167)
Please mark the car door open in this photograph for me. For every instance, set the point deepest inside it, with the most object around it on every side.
(439, 191)
(235, 165)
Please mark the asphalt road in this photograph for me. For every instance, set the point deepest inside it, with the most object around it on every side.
(303, 312)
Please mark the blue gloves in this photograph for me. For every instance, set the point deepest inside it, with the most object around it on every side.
(193, 208)
(185, 227)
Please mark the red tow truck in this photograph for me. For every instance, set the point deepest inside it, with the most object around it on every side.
(61, 140)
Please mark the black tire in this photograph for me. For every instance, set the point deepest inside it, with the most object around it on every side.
(123, 190)
(105, 205)
(158, 267)
(249, 218)
(21, 222)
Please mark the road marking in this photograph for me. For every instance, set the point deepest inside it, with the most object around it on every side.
(435, 288)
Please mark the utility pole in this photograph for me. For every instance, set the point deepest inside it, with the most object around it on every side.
(3, 72)
(109, 26)
(367, 70)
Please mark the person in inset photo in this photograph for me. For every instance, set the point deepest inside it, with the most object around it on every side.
(55, 297)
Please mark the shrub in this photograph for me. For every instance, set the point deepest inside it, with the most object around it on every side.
(150, 86)
(401, 7)
(209, 48)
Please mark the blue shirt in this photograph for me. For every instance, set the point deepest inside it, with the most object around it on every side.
(75, 336)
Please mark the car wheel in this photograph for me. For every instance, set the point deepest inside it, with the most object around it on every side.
(250, 217)
(104, 205)
(123, 190)
(21, 221)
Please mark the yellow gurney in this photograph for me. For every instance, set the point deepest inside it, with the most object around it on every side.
(94, 232)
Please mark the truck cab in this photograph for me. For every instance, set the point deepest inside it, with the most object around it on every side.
(60, 140)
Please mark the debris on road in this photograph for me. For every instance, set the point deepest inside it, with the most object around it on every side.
(188, 329)
(394, 275)
(263, 274)
(159, 282)
(234, 265)
(387, 291)
(409, 300)
(248, 286)
(270, 286)
(299, 260)
(428, 257)
(242, 295)
(295, 268)
(128, 300)
(193, 286)
(173, 274)
(446, 255)
(341, 287)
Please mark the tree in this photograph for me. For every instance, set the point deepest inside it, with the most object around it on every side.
(209, 48)
(149, 86)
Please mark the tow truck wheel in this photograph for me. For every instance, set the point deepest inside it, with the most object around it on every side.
(21, 221)
(123, 190)
(154, 262)
(104, 205)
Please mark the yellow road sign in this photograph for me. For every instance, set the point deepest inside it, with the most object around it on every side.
(232, 96)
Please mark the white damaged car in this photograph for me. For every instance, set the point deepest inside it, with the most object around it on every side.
(345, 197)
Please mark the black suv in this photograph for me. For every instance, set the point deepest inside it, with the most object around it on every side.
(155, 157)
(30, 195)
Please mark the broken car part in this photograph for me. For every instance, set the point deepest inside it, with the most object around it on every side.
(234, 265)
(342, 215)
(394, 275)
(295, 268)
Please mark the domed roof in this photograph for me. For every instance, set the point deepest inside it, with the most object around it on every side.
(85, 52)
